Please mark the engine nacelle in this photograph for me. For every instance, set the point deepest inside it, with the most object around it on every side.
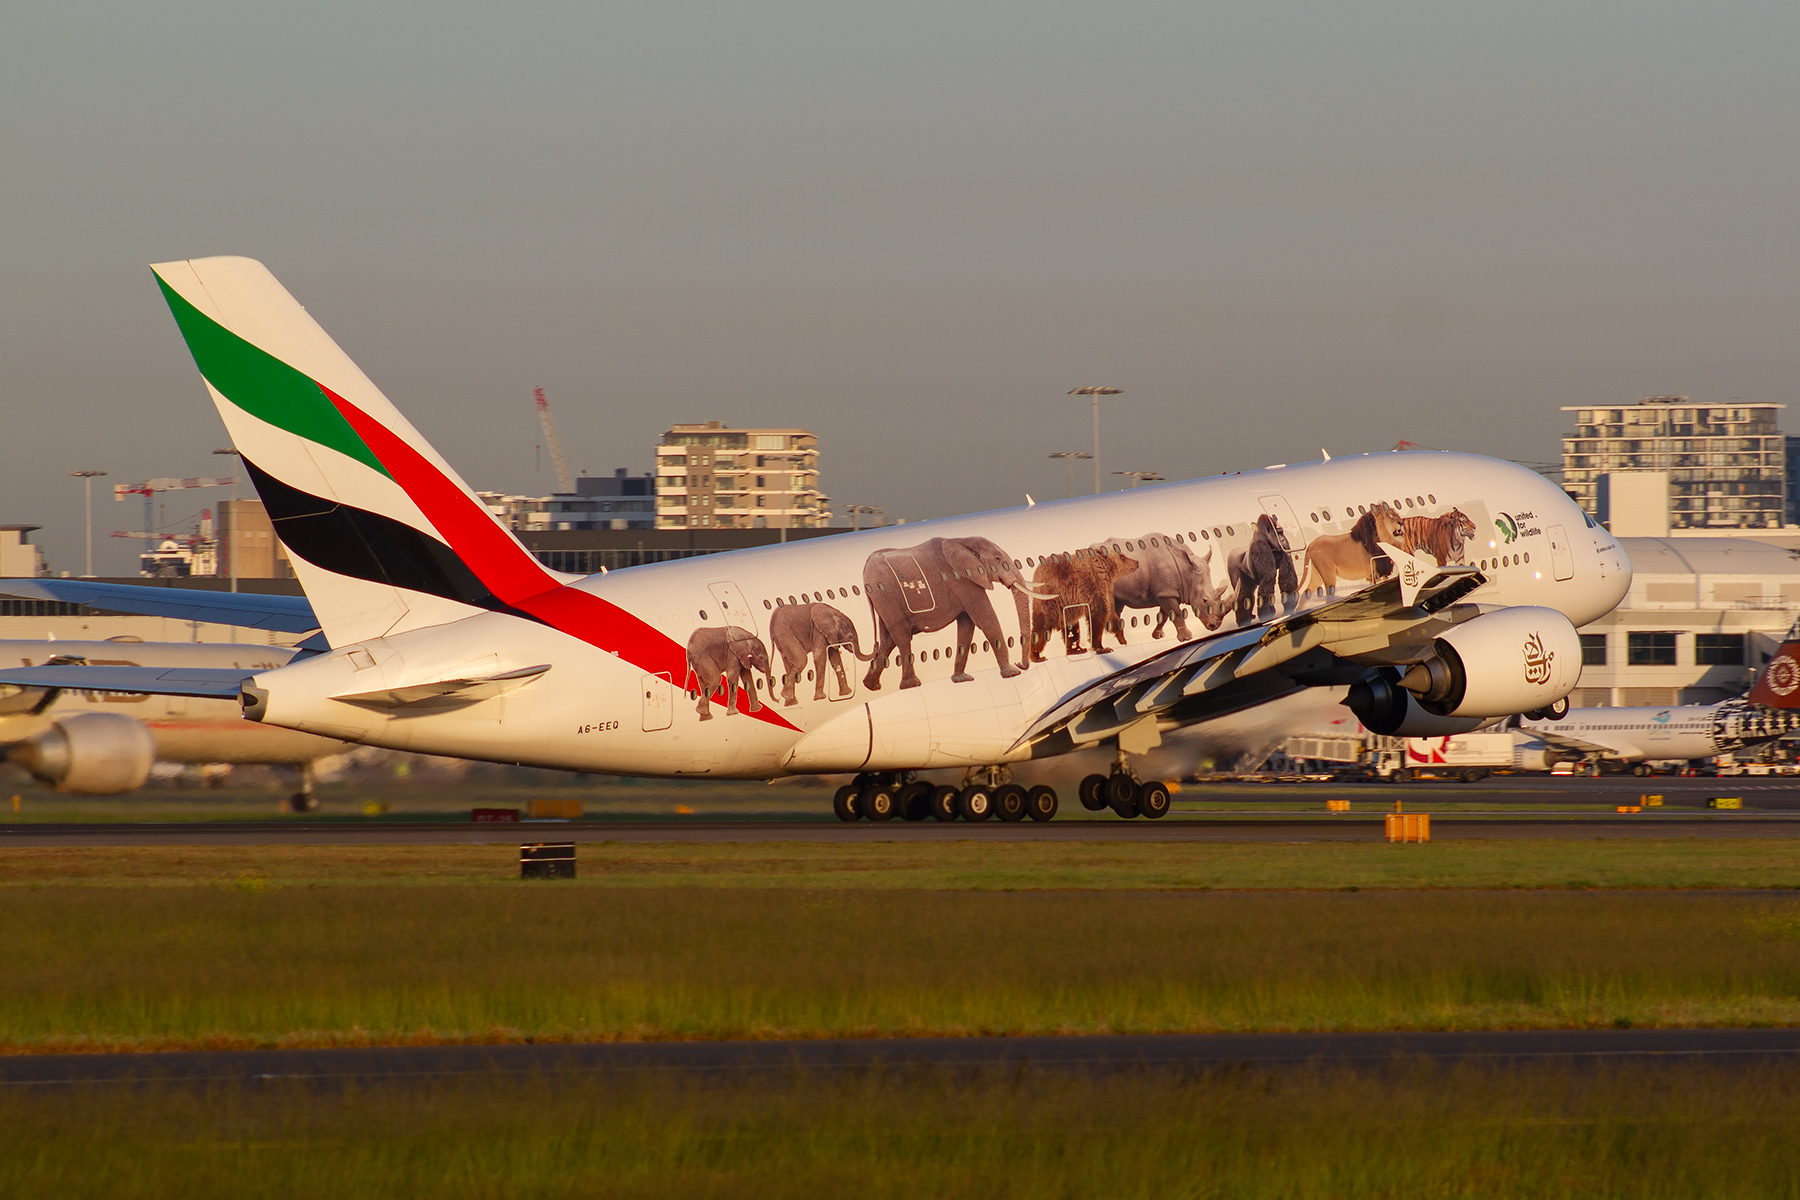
(1511, 661)
(97, 754)
(1386, 708)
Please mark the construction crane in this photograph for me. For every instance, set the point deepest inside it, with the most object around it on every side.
(563, 483)
(149, 489)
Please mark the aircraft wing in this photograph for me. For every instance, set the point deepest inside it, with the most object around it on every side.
(1382, 623)
(217, 683)
(1563, 741)
(252, 610)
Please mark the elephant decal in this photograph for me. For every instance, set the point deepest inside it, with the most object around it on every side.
(819, 631)
(920, 589)
(1262, 568)
(1076, 583)
(1172, 579)
(726, 657)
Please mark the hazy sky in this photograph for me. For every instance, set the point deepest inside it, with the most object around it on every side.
(911, 228)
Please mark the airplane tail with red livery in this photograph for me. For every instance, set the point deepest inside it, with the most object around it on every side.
(1779, 684)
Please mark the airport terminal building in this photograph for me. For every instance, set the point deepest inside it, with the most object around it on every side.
(1702, 617)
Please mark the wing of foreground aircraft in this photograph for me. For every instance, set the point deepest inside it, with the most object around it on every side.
(250, 610)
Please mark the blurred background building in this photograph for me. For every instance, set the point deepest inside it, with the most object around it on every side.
(711, 476)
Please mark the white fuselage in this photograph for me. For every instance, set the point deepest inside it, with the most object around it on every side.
(595, 709)
(1674, 733)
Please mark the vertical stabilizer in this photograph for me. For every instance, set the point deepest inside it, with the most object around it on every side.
(1779, 684)
(383, 534)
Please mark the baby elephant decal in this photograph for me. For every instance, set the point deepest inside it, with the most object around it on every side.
(1082, 584)
(1261, 569)
(920, 589)
(727, 658)
(818, 630)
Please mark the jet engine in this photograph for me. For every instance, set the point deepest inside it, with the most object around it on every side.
(1512, 661)
(1386, 708)
(98, 754)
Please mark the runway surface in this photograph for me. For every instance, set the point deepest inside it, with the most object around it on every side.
(1509, 807)
(424, 1064)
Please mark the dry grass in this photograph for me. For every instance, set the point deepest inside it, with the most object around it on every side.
(1407, 1130)
(102, 969)
(972, 863)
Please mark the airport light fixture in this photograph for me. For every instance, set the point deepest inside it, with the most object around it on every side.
(1138, 477)
(1096, 391)
(1069, 457)
(87, 491)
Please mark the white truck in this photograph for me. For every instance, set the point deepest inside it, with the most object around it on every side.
(1464, 756)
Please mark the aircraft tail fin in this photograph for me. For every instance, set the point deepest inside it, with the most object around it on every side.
(383, 533)
(1778, 686)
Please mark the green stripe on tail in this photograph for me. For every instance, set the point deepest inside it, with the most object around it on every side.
(262, 385)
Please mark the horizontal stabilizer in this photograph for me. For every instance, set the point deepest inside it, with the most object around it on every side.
(483, 688)
(284, 614)
(218, 683)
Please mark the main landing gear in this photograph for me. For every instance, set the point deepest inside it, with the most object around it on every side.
(986, 792)
(1124, 793)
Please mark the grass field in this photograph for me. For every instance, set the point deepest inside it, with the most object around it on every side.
(1408, 1130)
(972, 863)
(90, 968)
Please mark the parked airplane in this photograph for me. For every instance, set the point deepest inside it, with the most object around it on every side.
(1448, 588)
(1599, 737)
(98, 742)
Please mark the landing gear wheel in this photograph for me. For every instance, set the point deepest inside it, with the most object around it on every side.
(1121, 794)
(1558, 710)
(914, 801)
(975, 803)
(943, 803)
(844, 803)
(1153, 799)
(301, 802)
(1040, 803)
(1093, 793)
(1009, 802)
(877, 802)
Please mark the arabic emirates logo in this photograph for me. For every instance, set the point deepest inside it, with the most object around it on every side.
(1409, 573)
(1537, 660)
(1784, 675)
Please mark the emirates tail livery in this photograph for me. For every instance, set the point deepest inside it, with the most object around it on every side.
(1442, 590)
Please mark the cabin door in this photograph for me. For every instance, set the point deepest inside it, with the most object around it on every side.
(732, 605)
(1562, 558)
(1283, 512)
(659, 702)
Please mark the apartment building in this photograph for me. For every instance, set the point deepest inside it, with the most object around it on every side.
(715, 476)
(1720, 466)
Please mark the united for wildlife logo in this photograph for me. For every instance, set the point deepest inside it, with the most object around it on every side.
(1537, 659)
(1509, 528)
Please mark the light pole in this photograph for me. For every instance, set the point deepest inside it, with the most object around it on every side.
(232, 525)
(1138, 477)
(1069, 457)
(87, 494)
(1096, 391)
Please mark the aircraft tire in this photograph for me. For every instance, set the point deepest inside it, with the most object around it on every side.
(1120, 793)
(1092, 792)
(1040, 803)
(843, 805)
(942, 803)
(975, 803)
(1009, 802)
(1558, 710)
(1153, 799)
(877, 802)
(914, 801)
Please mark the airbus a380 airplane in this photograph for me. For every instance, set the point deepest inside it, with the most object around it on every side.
(1448, 591)
(1677, 733)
